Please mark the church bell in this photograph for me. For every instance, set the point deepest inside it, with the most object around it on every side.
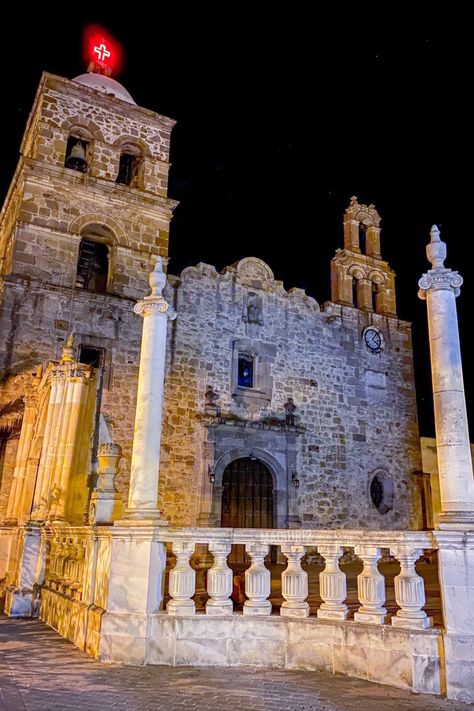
(77, 158)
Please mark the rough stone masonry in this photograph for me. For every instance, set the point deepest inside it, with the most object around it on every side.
(349, 454)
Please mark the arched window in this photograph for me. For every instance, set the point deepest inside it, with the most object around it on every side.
(354, 291)
(93, 264)
(381, 491)
(78, 149)
(375, 290)
(129, 166)
(362, 239)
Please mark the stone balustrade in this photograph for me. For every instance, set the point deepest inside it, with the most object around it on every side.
(65, 567)
(405, 546)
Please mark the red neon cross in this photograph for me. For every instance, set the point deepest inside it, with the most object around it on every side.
(102, 52)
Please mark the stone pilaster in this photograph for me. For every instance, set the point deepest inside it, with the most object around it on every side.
(440, 287)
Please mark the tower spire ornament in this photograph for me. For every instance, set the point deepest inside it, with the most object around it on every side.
(101, 51)
(69, 351)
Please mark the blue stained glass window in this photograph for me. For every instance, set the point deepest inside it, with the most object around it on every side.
(245, 372)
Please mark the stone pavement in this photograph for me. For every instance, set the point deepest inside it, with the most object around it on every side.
(41, 671)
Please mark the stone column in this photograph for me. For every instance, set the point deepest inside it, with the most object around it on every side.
(27, 428)
(440, 286)
(138, 559)
(44, 469)
(143, 492)
(364, 294)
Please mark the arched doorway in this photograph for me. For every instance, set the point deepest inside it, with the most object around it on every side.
(247, 495)
(247, 499)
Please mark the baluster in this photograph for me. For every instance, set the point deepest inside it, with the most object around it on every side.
(79, 569)
(182, 581)
(409, 590)
(370, 587)
(257, 581)
(219, 581)
(294, 583)
(332, 584)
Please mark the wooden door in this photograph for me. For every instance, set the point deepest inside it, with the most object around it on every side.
(247, 499)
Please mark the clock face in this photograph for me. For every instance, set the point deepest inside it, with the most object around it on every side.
(373, 340)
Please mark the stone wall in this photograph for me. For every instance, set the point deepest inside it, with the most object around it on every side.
(405, 658)
(356, 409)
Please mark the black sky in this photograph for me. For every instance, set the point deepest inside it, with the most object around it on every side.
(282, 116)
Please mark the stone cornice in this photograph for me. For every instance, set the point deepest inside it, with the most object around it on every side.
(42, 173)
(103, 99)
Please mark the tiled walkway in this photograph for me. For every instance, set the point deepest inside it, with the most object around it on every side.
(40, 671)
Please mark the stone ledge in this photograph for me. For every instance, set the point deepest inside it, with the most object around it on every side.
(409, 659)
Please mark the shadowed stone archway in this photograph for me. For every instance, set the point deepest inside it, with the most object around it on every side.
(275, 470)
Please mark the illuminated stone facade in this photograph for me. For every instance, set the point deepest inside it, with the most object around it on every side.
(330, 404)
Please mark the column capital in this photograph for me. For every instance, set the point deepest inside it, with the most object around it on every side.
(155, 302)
(440, 279)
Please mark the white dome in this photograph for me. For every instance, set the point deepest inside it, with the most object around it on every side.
(105, 84)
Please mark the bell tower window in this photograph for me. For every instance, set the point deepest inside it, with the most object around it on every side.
(362, 239)
(354, 291)
(245, 372)
(128, 170)
(76, 154)
(92, 266)
(375, 290)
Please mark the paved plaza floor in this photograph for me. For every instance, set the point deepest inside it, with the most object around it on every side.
(41, 671)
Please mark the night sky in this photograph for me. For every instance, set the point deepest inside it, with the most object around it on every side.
(281, 118)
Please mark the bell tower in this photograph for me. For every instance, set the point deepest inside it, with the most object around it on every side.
(85, 219)
(359, 276)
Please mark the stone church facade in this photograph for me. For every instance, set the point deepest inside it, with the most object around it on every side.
(278, 412)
